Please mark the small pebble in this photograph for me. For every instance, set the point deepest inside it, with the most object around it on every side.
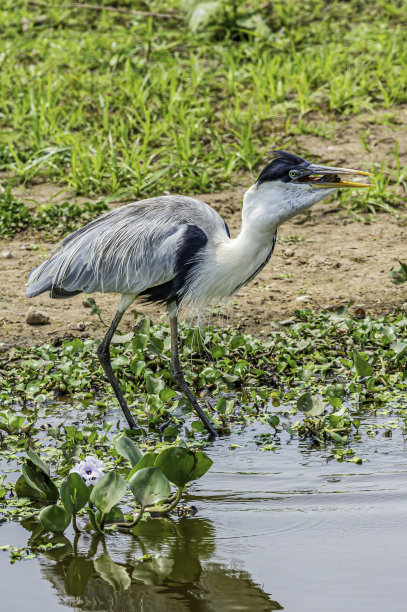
(304, 298)
(36, 317)
(6, 255)
(81, 326)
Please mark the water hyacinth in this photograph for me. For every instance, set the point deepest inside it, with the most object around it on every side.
(91, 469)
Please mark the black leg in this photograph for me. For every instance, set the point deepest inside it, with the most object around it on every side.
(103, 353)
(178, 374)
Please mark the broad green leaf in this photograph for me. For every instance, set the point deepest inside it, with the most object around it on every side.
(181, 465)
(127, 449)
(318, 407)
(304, 402)
(202, 465)
(363, 368)
(139, 342)
(23, 489)
(154, 385)
(237, 341)
(119, 361)
(74, 493)
(171, 432)
(399, 348)
(108, 491)
(55, 519)
(122, 338)
(166, 394)
(36, 459)
(335, 436)
(149, 486)
(39, 480)
(335, 420)
(92, 519)
(112, 573)
(77, 576)
(274, 420)
(147, 460)
(114, 516)
(177, 464)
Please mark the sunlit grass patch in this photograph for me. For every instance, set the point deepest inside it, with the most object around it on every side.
(112, 101)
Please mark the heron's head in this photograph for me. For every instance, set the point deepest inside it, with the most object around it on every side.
(290, 184)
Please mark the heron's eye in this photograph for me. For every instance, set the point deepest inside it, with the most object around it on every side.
(293, 174)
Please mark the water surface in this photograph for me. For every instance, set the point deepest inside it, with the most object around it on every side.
(275, 530)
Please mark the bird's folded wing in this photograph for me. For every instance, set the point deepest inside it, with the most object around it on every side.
(125, 251)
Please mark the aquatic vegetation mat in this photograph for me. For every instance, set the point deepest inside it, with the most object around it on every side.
(328, 379)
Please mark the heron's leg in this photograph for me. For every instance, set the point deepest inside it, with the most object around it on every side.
(178, 374)
(103, 353)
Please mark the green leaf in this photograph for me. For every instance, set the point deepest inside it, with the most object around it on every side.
(154, 385)
(119, 361)
(36, 459)
(237, 341)
(202, 465)
(335, 436)
(74, 493)
(108, 491)
(55, 519)
(274, 420)
(177, 464)
(122, 338)
(167, 394)
(149, 486)
(112, 573)
(172, 432)
(92, 519)
(147, 460)
(23, 489)
(139, 342)
(39, 480)
(363, 368)
(114, 516)
(181, 465)
(127, 449)
(304, 402)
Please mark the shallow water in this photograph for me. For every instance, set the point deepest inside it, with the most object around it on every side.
(274, 530)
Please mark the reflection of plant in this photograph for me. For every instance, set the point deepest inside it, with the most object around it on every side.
(149, 482)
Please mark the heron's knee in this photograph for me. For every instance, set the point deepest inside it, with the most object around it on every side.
(103, 352)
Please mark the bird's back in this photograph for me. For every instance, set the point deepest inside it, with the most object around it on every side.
(147, 244)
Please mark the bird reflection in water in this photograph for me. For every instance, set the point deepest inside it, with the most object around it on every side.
(176, 573)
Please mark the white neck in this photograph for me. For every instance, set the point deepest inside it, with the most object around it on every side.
(226, 264)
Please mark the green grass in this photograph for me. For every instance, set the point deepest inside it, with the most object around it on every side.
(52, 219)
(107, 102)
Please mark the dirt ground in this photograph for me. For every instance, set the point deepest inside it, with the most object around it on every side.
(323, 258)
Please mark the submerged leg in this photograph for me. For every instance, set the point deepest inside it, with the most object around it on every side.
(178, 374)
(103, 353)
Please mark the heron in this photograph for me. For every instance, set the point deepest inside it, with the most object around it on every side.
(178, 251)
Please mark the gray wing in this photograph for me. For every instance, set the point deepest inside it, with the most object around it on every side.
(127, 250)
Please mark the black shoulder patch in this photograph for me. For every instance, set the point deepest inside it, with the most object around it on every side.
(193, 241)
